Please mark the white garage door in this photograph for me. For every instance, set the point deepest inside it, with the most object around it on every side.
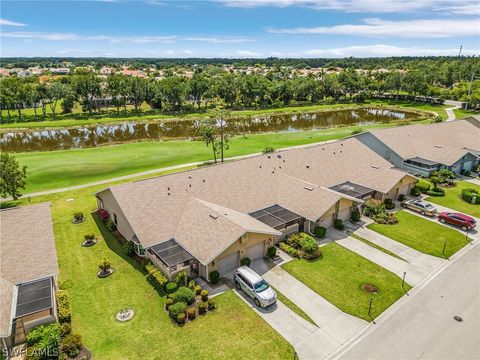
(326, 222)
(255, 252)
(404, 190)
(344, 214)
(228, 263)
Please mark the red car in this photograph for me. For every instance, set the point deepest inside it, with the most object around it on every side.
(463, 221)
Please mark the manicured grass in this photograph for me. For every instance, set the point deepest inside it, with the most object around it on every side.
(421, 234)
(58, 169)
(339, 275)
(378, 247)
(460, 113)
(78, 119)
(231, 331)
(291, 305)
(453, 199)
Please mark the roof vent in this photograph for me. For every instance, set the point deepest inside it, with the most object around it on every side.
(203, 180)
(308, 188)
(189, 185)
(168, 188)
(260, 166)
(214, 216)
(279, 156)
(268, 156)
(334, 153)
(375, 166)
(189, 176)
(438, 146)
(308, 166)
(341, 144)
(168, 194)
(283, 160)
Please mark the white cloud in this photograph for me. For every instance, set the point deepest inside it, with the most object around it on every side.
(247, 53)
(217, 40)
(5, 22)
(83, 53)
(170, 52)
(384, 51)
(365, 6)
(187, 52)
(465, 9)
(426, 28)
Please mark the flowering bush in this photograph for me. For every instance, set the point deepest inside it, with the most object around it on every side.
(103, 215)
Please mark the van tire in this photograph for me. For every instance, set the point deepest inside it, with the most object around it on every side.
(257, 302)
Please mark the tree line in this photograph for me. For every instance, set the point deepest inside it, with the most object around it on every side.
(211, 85)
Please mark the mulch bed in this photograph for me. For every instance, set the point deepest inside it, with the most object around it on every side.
(119, 237)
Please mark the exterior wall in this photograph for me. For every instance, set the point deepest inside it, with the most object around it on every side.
(402, 187)
(111, 205)
(241, 246)
(286, 232)
(326, 220)
(465, 163)
(380, 148)
(416, 169)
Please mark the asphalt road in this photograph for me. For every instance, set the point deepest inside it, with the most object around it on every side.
(424, 327)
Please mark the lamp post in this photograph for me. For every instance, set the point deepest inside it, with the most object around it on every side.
(403, 282)
(444, 246)
(370, 310)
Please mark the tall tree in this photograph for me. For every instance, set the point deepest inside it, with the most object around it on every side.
(219, 119)
(207, 131)
(13, 177)
(88, 87)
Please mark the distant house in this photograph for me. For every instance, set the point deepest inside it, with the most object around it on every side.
(28, 271)
(60, 71)
(422, 149)
(210, 218)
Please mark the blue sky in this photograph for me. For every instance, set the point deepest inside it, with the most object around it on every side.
(239, 28)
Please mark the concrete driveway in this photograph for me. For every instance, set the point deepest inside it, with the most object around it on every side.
(334, 327)
(417, 265)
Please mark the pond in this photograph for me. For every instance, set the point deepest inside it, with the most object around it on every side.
(98, 135)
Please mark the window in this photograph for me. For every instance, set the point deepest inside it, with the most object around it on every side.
(115, 219)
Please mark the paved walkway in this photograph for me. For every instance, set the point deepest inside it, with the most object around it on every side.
(417, 265)
(451, 113)
(423, 326)
(334, 326)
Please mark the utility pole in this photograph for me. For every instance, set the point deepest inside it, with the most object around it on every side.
(460, 52)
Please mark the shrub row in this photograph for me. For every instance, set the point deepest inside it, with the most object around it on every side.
(289, 250)
(320, 231)
(155, 276)
(438, 192)
(306, 246)
(469, 194)
(63, 307)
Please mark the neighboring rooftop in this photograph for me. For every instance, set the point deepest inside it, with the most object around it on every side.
(27, 244)
(352, 189)
(443, 143)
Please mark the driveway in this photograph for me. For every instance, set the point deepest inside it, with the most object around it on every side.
(417, 265)
(334, 326)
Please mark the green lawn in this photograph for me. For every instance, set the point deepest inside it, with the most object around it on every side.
(232, 331)
(339, 275)
(80, 119)
(378, 247)
(453, 199)
(291, 305)
(422, 234)
(460, 113)
(58, 169)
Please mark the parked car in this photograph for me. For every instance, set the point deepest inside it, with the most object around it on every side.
(463, 221)
(420, 206)
(254, 286)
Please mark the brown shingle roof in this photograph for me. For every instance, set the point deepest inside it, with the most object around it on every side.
(27, 244)
(444, 143)
(295, 179)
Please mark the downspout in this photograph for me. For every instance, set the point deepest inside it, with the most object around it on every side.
(6, 348)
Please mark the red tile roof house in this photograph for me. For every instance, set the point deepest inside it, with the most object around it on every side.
(210, 218)
(28, 271)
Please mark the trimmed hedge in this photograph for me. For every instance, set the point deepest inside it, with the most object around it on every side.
(423, 185)
(177, 309)
(171, 287)
(338, 224)
(155, 276)
(288, 249)
(184, 294)
(272, 252)
(320, 231)
(468, 194)
(246, 261)
(355, 217)
(63, 307)
(435, 193)
(214, 277)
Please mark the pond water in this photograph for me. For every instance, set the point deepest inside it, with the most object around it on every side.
(92, 136)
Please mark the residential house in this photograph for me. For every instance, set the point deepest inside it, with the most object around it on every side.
(422, 149)
(210, 218)
(28, 271)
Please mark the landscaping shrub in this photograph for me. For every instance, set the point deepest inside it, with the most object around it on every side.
(181, 278)
(466, 172)
(401, 197)
(309, 245)
(65, 329)
(320, 231)
(192, 284)
(184, 294)
(198, 290)
(389, 205)
(168, 303)
(338, 224)
(110, 225)
(204, 295)
(63, 307)
(288, 249)
(180, 319)
(104, 265)
(177, 309)
(415, 192)
(129, 248)
(294, 240)
(372, 206)
(89, 237)
(438, 192)
(355, 217)
(423, 185)
(78, 216)
(246, 261)
(43, 340)
(171, 287)
(357, 131)
(155, 276)
(385, 218)
(214, 277)
(211, 304)
(202, 307)
(271, 252)
(103, 215)
(71, 345)
(268, 150)
(469, 194)
(192, 313)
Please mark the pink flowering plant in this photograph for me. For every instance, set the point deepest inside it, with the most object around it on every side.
(103, 215)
